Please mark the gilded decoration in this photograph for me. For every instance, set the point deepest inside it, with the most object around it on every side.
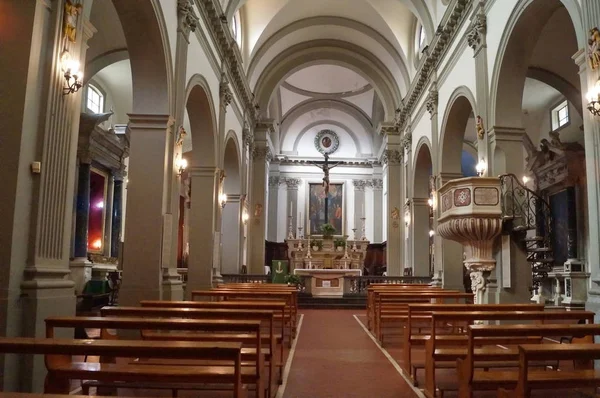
(462, 197)
(479, 127)
(395, 213)
(486, 196)
(72, 11)
(594, 48)
(180, 136)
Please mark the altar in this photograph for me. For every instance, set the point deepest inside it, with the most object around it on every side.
(327, 282)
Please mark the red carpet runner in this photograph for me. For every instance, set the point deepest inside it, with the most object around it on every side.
(335, 358)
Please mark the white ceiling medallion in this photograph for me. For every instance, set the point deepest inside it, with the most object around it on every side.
(327, 142)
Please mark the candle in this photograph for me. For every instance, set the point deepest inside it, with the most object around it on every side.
(291, 208)
(363, 209)
(300, 219)
(308, 227)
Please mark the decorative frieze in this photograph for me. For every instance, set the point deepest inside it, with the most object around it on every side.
(392, 157)
(187, 20)
(359, 185)
(224, 91)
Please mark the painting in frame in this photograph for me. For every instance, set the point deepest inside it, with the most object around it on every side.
(316, 207)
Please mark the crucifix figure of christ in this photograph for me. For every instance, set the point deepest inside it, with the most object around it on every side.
(326, 166)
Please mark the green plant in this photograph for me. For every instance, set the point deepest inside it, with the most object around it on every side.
(318, 243)
(328, 230)
(339, 243)
(292, 279)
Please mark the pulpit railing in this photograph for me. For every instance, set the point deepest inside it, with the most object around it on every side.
(528, 215)
(246, 278)
(357, 285)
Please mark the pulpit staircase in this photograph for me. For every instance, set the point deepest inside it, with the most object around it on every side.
(528, 219)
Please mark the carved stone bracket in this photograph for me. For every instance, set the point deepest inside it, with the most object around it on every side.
(224, 91)
(186, 18)
(477, 30)
(407, 142)
(248, 138)
(293, 183)
(392, 157)
(432, 101)
(359, 185)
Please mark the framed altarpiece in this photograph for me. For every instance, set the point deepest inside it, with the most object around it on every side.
(324, 208)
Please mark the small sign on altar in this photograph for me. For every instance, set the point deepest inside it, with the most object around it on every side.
(326, 284)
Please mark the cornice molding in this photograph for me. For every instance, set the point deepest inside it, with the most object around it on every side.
(434, 53)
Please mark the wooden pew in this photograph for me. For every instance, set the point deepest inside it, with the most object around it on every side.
(420, 314)
(396, 304)
(205, 313)
(278, 307)
(61, 369)
(289, 297)
(529, 380)
(252, 328)
(452, 349)
(471, 379)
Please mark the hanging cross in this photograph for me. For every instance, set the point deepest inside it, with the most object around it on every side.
(325, 166)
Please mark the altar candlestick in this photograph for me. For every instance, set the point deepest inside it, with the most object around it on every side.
(291, 208)
(363, 209)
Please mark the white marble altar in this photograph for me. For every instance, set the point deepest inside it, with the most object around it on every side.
(327, 282)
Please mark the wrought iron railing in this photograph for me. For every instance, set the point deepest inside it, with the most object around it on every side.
(357, 285)
(523, 210)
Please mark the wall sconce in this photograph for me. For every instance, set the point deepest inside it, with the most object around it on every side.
(431, 233)
(593, 97)
(481, 168)
(407, 218)
(525, 180)
(72, 74)
(245, 217)
(223, 200)
(430, 202)
(181, 164)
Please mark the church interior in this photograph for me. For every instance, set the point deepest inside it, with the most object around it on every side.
(285, 198)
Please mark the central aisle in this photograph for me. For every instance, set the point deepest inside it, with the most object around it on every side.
(335, 358)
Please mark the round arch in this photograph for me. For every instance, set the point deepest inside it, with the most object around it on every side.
(460, 106)
(519, 39)
(332, 122)
(232, 163)
(343, 53)
(202, 116)
(422, 168)
(149, 55)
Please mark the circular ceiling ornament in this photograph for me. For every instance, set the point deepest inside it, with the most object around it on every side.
(327, 142)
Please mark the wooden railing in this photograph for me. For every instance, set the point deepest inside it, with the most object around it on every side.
(357, 285)
(246, 278)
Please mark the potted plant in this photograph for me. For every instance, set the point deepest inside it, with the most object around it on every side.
(292, 280)
(327, 230)
(339, 244)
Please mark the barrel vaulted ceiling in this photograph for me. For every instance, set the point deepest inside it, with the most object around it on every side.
(336, 64)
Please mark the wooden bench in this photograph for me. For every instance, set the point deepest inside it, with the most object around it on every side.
(574, 379)
(265, 316)
(250, 357)
(477, 350)
(61, 369)
(397, 302)
(289, 297)
(419, 315)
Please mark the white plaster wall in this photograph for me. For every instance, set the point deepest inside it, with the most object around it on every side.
(198, 63)
(169, 13)
(497, 18)
(283, 212)
(421, 129)
(233, 123)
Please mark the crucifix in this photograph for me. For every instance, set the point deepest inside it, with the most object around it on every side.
(325, 166)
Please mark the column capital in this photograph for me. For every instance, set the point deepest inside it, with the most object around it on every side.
(187, 20)
(275, 181)
(392, 157)
(500, 133)
(376, 184)
(293, 183)
(478, 28)
(262, 153)
(407, 142)
(119, 175)
(224, 91)
(359, 185)
(264, 125)
(200, 171)
(150, 122)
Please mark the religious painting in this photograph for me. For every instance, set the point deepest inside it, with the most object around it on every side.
(97, 211)
(562, 206)
(324, 208)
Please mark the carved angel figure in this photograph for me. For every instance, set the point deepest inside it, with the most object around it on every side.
(479, 128)
(72, 11)
(180, 136)
(594, 48)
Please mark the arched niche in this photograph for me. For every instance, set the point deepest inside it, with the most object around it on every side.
(202, 119)
(231, 220)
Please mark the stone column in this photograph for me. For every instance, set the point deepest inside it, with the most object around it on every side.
(261, 156)
(292, 199)
(232, 219)
(509, 142)
(377, 187)
(81, 267)
(273, 220)
(203, 206)
(117, 214)
(147, 227)
(407, 198)
(393, 162)
(420, 236)
(187, 22)
(359, 204)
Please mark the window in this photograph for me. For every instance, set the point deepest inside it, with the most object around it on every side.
(236, 28)
(421, 36)
(95, 100)
(560, 115)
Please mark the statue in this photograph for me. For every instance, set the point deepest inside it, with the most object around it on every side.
(180, 136)
(594, 48)
(72, 11)
(326, 167)
(479, 127)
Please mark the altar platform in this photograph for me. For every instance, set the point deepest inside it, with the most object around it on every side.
(327, 282)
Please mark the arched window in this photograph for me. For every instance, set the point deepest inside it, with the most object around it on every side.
(236, 28)
(94, 99)
(421, 36)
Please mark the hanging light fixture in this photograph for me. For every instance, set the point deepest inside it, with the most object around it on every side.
(72, 74)
(593, 98)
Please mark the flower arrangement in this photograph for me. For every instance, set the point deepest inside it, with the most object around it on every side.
(327, 230)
